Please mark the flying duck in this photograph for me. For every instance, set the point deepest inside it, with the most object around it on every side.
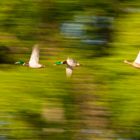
(34, 59)
(70, 65)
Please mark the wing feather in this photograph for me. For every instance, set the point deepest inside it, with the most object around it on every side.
(69, 71)
(137, 60)
(34, 59)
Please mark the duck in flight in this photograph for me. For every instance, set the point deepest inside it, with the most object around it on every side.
(34, 59)
(70, 65)
(135, 63)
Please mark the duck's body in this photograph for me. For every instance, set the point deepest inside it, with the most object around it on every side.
(34, 59)
(71, 64)
(135, 63)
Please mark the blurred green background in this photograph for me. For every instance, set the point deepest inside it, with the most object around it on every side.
(101, 101)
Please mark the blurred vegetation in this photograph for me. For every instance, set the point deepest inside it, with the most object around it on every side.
(100, 101)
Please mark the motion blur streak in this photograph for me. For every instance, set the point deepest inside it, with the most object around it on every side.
(100, 101)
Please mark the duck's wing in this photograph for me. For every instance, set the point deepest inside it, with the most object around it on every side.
(69, 71)
(137, 60)
(34, 59)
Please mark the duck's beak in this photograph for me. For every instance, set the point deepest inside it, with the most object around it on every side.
(16, 63)
(78, 64)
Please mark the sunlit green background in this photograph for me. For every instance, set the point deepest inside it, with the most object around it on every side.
(101, 101)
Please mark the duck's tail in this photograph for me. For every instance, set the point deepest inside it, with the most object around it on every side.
(128, 62)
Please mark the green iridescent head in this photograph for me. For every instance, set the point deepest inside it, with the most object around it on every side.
(20, 62)
(58, 63)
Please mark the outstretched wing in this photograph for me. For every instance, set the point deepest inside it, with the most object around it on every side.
(34, 59)
(137, 60)
(68, 71)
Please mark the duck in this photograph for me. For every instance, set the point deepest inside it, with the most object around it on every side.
(135, 63)
(70, 65)
(34, 59)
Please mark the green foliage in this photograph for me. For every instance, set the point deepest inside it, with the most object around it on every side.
(128, 28)
(30, 97)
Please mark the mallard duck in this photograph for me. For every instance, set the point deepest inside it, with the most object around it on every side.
(135, 63)
(71, 64)
(34, 59)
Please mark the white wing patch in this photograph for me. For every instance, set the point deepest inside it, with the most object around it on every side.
(137, 60)
(34, 59)
(69, 71)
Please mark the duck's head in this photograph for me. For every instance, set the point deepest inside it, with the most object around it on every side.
(58, 63)
(20, 62)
